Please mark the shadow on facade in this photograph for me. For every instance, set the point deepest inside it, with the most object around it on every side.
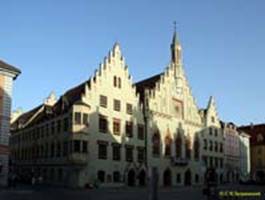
(5, 107)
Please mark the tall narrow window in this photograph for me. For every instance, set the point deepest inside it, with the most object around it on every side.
(119, 83)
(168, 142)
(129, 129)
(156, 144)
(115, 81)
(116, 151)
(140, 131)
(188, 148)
(103, 124)
(77, 145)
(85, 147)
(197, 149)
(129, 153)
(117, 105)
(65, 124)
(129, 108)
(179, 146)
(85, 119)
(140, 154)
(205, 147)
(103, 101)
(77, 118)
(116, 126)
(102, 150)
(211, 146)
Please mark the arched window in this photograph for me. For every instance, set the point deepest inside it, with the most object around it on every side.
(188, 147)
(179, 146)
(197, 149)
(156, 144)
(168, 142)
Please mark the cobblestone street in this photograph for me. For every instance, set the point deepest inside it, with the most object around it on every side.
(180, 193)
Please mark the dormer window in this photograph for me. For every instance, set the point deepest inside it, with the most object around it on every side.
(212, 119)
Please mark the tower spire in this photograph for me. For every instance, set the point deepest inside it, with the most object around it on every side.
(175, 47)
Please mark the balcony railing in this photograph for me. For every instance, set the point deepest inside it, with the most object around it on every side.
(179, 161)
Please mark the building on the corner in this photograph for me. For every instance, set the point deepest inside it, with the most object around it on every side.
(257, 150)
(109, 130)
(212, 140)
(7, 74)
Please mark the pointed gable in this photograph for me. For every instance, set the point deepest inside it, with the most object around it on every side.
(211, 114)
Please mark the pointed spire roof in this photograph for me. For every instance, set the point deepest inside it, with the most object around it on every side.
(175, 40)
(211, 101)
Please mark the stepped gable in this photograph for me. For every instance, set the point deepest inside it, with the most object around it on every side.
(148, 83)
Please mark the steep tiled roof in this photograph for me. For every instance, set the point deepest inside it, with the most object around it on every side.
(148, 83)
(254, 131)
(61, 106)
(69, 98)
(8, 67)
(22, 119)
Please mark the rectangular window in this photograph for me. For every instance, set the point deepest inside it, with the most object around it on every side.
(129, 108)
(85, 120)
(115, 81)
(103, 124)
(210, 130)
(140, 154)
(129, 129)
(58, 150)
(47, 130)
(65, 124)
(52, 128)
(140, 131)
(216, 132)
(221, 163)
(77, 118)
(58, 126)
(103, 101)
(65, 148)
(129, 153)
(51, 152)
(77, 146)
(116, 126)
(117, 105)
(85, 147)
(102, 151)
(221, 148)
(116, 151)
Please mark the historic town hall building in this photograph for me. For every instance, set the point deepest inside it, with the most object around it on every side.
(110, 130)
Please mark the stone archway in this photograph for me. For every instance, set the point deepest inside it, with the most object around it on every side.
(131, 178)
(142, 178)
(167, 178)
(187, 177)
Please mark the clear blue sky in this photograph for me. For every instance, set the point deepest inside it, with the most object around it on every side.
(59, 43)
